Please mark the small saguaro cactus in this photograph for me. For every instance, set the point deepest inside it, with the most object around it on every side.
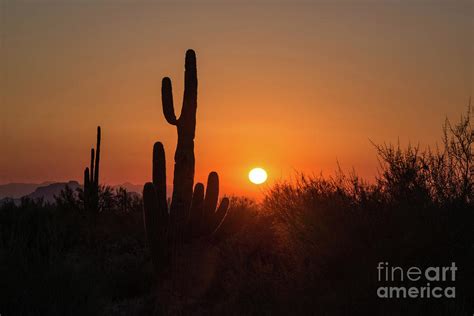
(192, 213)
(91, 178)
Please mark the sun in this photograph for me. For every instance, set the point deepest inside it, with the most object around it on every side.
(258, 175)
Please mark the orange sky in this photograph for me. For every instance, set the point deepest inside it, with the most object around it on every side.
(286, 86)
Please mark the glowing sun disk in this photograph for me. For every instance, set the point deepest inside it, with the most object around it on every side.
(258, 175)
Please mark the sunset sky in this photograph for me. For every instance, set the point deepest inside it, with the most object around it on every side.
(284, 85)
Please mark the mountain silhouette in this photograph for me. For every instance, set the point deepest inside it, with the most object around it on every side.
(17, 190)
(48, 192)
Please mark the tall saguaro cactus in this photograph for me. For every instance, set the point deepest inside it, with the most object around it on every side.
(192, 213)
(186, 125)
(91, 178)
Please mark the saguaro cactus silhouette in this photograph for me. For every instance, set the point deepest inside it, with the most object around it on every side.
(192, 213)
(91, 178)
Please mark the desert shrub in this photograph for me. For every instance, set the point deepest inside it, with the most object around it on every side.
(444, 176)
(36, 278)
(56, 260)
(419, 212)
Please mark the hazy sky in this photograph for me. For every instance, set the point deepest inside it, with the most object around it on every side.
(285, 85)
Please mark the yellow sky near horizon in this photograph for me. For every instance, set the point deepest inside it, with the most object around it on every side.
(292, 86)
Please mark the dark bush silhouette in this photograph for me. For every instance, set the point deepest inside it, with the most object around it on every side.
(55, 260)
(418, 213)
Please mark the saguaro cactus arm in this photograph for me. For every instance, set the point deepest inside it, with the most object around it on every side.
(97, 159)
(91, 175)
(207, 216)
(219, 215)
(167, 101)
(159, 175)
(86, 178)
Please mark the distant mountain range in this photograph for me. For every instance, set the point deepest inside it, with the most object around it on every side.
(17, 190)
(138, 188)
(47, 190)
